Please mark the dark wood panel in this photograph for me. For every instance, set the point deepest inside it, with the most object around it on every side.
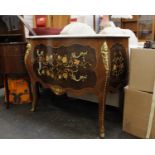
(12, 58)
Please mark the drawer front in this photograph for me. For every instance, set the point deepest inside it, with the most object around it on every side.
(119, 65)
(72, 66)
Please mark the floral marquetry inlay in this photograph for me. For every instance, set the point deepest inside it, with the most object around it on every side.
(74, 63)
(118, 60)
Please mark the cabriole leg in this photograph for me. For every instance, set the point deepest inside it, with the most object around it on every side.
(35, 96)
(101, 114)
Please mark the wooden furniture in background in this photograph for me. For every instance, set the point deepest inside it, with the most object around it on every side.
(146, 27)
(59, 21)
(131, 24)
(142, 25)
(12, 50)
(78, 65)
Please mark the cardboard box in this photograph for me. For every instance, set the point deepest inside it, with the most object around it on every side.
(142, 69)
(137, 109)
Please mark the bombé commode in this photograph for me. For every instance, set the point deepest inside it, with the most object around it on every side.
(79, 65)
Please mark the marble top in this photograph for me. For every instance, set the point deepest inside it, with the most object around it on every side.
(76, 36)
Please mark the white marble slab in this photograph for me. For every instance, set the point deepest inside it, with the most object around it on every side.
(76, 36)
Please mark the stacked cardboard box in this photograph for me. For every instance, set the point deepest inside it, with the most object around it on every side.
(139, 106)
